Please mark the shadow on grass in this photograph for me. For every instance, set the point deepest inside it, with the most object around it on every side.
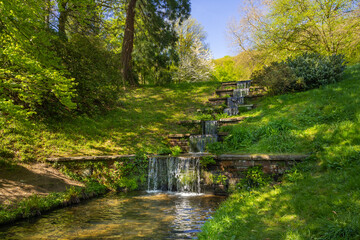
(321, 205)
(145, 117)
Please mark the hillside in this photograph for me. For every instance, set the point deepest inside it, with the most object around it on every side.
(319, 199)
(140, 123)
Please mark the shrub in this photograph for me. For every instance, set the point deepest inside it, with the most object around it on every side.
(175, 151)
(254, 178)
(207, 160)
(316, 70)
(307, 71)
(278, 78)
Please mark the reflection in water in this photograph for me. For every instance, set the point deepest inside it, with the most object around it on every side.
(138, 216)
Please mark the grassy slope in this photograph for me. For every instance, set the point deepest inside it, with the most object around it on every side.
(140, 123)
(305, 122)
(320, 199)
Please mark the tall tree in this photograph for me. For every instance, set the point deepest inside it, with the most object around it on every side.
(128, 44)
(160, 17)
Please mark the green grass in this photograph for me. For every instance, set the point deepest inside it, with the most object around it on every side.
(141, 122)
(316, 121)
(320, 198)
(314, 205)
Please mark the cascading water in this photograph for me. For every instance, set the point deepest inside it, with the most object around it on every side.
(233, 103)
(209, 135)
(174, 174)
(181, 174)
(199, 142)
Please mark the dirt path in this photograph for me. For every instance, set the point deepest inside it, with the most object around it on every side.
(25, 180)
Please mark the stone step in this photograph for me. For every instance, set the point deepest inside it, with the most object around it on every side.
(231, 120)
(188, 122)
(262, 157)
(223, 92)
(187, 135)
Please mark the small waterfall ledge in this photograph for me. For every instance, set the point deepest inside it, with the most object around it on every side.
(208, 135)
(184, 174)
(174, 174)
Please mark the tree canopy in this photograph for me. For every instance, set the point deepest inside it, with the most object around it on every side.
(61, 56)
(285, 28)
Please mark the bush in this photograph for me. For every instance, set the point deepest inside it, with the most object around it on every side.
(254, 178)
(278, 78)
(307, 71)
(316, 70)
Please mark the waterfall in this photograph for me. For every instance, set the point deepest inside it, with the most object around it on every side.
(208, 135)
(209, 127)
(181, 174)
(242, 90)
(198, 142)
(175, 174)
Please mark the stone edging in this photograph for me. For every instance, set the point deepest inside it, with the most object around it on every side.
(223, 157)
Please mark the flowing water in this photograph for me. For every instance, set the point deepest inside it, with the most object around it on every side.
(239, 94)
(136, 216)
(208, 135)
(175, 174)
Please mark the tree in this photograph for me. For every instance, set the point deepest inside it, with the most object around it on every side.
(31, 73)
(195, 61)
(160, 17)
(290, 27)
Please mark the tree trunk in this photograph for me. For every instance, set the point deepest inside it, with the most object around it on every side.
(63, 18)
(127, 46)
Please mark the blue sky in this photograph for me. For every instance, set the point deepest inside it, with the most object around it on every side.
(214, 16)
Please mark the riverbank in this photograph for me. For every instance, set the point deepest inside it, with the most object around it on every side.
(28, 190)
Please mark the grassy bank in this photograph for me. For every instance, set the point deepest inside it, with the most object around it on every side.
(319, 199)
(143, 118)
(36, 205)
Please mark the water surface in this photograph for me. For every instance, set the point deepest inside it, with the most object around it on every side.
(136, 216)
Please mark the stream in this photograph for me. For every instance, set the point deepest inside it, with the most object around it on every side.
(138, 215)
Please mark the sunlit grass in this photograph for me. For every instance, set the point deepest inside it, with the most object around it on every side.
(319, 199)
(145, 116)
(304, 122)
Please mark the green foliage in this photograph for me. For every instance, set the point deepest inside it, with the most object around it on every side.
(30, 78)
(339, 157)
(164, 151)
(276, 136)
(127, 175)
(219, 179)
(254, 178)
(304, 72)
(226, 69)
(96, 73)
(317, 199)
(273, 30)
(175, 151)
(278, 78)
(207, 160)
(140, 122)
(217, 148)
(316, 70)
